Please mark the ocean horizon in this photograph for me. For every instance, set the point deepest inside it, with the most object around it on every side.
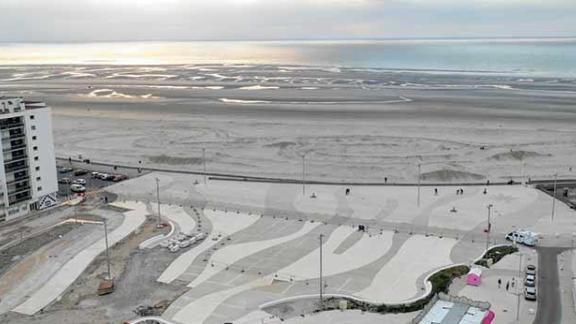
(539, 57)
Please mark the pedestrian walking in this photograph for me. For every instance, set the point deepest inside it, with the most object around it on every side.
(507, 285)
(436, 191)
(499, 282)
(485, 191)
(385, 179)
(513, 282)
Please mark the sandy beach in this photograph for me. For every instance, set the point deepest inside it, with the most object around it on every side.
(352, 124)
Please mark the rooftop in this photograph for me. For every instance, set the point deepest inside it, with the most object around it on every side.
(455, 310)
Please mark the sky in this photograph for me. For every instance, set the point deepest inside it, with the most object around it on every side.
(179, 20)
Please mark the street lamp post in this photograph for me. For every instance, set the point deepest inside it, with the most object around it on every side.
(554, 198)
(304, 174)
(204, 163)
(519, 288)
(321, 279)
(419, 176)
(489, 228)
(158, 199)
(107, 253)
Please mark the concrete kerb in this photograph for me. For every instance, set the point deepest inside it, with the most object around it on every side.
(154, 241)
(248, 178)
(428, 285)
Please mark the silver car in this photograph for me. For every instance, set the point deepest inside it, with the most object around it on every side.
(530, 293)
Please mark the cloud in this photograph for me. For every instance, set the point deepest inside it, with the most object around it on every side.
(109, 20)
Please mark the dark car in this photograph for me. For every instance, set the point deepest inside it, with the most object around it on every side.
(65, 170)
(64, 180)
(119, 177)
(80, 172)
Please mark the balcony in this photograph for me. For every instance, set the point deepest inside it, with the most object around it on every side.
(15, 155)
(19, 198)
(16, 177)
(14, 138)
(16, 180)
(14, 159)
(18, 188)
(11, 122)
(16, 168)
(12, 148)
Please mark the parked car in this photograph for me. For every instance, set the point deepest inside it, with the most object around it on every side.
(165, 244)
(94, 174)
(77, 188)
(119, 177)
(65, 170)
(64, 180)
(200, 237)
(524, 237)
(174, 248)
(79, 181)
(80, 172)
(531, 269)
(105, 176)
(184, 244)
(530, 293)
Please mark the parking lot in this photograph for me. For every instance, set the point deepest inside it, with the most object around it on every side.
(80, 171)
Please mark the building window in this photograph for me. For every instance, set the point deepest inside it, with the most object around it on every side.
(35, 158)
(39, 189)
(35, 148)
(33, 127)
(38, 178)
(34, 137)
(32, 117)
(37, 168)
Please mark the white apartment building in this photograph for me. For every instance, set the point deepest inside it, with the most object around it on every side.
(28, 179)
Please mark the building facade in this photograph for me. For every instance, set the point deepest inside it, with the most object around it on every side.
(28, 179)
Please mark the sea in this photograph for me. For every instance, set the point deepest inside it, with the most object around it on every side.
(554, 57)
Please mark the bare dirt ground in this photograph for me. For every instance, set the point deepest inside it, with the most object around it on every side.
(11, 255)
(135, 271)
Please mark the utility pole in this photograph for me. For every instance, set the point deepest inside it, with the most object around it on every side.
(304, 174)
(107, 253)
(158, 198)
(419, 174)
(518, 285)
(554, 198)
(489, 228)
(204, 163)
(321, 279)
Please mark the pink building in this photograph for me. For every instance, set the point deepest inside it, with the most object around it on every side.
(474, 277)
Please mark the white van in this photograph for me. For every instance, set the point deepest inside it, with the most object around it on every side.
(524, 237)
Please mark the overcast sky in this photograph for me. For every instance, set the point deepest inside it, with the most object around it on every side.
(114, 20)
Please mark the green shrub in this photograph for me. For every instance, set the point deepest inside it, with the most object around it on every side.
(496, 254)
(440, 283)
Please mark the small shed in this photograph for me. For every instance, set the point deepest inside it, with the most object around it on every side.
(474, 277)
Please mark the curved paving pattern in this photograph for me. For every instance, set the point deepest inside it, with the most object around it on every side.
(223, 225)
